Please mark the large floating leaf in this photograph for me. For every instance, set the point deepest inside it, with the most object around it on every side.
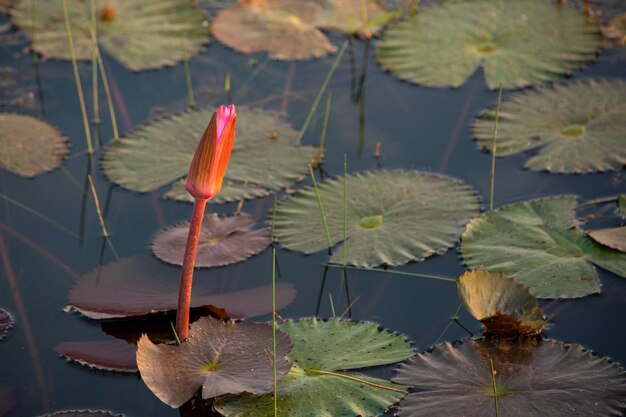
(393, 217)
(534, 378)
(517, 42)
(140, 34)
(315, 387)
(29, 146)
(83, 413)
(263, 159)
(538, 242)
(502, 305)
(219, 357)
(108, 355)
(348, 16)
(6, 323)
(614, 237)
(576, 127)
(223, 241)
(138, 286)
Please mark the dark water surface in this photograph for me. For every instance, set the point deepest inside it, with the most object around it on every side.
(421, 128)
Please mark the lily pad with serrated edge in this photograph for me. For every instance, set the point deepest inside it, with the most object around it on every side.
(107, 355)
(139, 286)
(6, 323)
(539, 244)
(534, 378)
(140, 34)
(219, 357)
(393, 217)
(614, 237)
(83, 413)
(502, 305)
(317, 385)
(518, 43)
(348, 16)
(578, 127)
(263, 157)
(29, 146)
(223, 241)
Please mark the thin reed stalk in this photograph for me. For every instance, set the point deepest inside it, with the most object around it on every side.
(274, 331)
(190, 95)
(94, 64)
(353, 378)
(107, 91)
(345, 211)
(105, 232)
(390, 271)
(332, 304)
(493, 150)
(322, 212)
(39, 215)
(495, 390)
(320, 152)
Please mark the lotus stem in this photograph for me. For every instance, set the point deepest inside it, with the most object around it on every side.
(186, 279)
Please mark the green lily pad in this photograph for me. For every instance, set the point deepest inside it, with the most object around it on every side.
(219, 357)
(533, 378)
(393, 217)
(316, 385)
(621, 205)
(517, 42)
(577, 127)
(538, 242)
(6, 323)
(29, 146)
(502, 305)
(140, 34)
(264, 158)
(348, 16)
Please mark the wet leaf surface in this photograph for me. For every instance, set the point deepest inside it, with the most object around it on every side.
(223, 240)
(29, 146)
(614, 237)
(219, 357)
(393, 217)
(347, 16)
(443, 45)
(83, 413)
(539, 244)
(502, 305)
(108, 355)
(578, 127)
(6, 323)
(534, 378)
(329, 346)
(140, 285)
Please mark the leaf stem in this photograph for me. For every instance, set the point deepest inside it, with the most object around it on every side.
(353, 378)
(390, 271)
(322, 212)
(493, 384)
(493, 150)
(274, 330)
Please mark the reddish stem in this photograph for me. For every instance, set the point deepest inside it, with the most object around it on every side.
(186, 278)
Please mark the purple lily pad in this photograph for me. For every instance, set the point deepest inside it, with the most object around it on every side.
(222, 358)
(6, 323)
(224, 240)
(108, 355)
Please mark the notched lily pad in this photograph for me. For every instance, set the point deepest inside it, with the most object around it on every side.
(502, 305)
(219, 357)
(126, 29)
(107, 355)
(83, 413)
(159, 153)
(317, 385)
(614, 237)
(443, 45)
(140, 285)
(223, 241)
(393, 217)
(6, 323)
(29, 146)
(534, 378)
(538, 242)
(578, 127)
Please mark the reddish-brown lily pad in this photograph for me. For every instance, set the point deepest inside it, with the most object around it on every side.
(6, 323)
(220, 357)
(614, 237)
(223, 240)
(107, 355)
(83, 413)
(140, 285)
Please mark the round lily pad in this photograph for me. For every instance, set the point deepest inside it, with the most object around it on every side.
(6, 323)
(538, 242)
(107, 355)
(577, 127)
(614, 237)
(125, 28)
(393, 217)
(264, 158)
(502, 305)
(518, 43)
(29, 146)
(83, 413)
(219, 357)
(533, 378)
(223, 241)
(316, 386)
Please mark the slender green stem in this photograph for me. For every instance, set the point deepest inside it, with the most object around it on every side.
(190, 95)
(353, 378)
(105, 233)
(175, 333)
(274, 330)
(81, 97)
(390, 271)
(272, 235)
(37, 214)
(320, 152)
(452, 319)
(332, 304)
(316, 102)
(94, 64)
(227, 86)
(494, 150)
(600, 200)
(345, 210)
(493, 384)
(107, 91)
(322, 212)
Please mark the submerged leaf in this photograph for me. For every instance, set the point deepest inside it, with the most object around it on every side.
(108, 355)
(139, 286)
(393, 217)
(223, 241)
(502, 305)
(517, 42)
(614, 237)
(29, 146)
(538, 242)
(160, 153)
(219, 357)
(6, 323)
(534, 378)
(316, 385)
(577, 127)
(127, 29)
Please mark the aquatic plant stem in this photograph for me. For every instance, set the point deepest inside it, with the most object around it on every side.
(320, 152)
(493, 382)
(493, 150)
(107, 91)
(391, 271)
(190, 95)
(274, 331)
(94, 66)
(352, 378)
(186, 278)
(322, 212)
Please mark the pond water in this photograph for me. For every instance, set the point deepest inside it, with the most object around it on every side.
(414, 127)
